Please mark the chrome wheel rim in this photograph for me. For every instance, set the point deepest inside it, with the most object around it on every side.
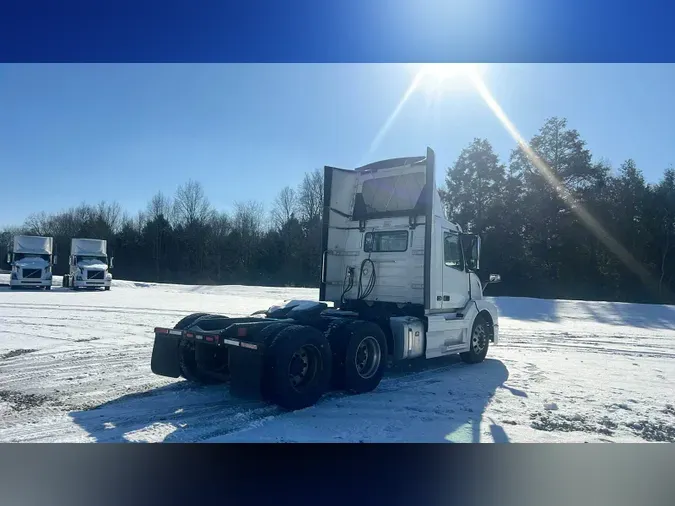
(479, 338)
(368, 357)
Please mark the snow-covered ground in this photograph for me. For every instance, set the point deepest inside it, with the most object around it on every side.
(75, 366)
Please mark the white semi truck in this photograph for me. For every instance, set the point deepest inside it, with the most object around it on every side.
(31, 258)
(89, 265)
(402, 282)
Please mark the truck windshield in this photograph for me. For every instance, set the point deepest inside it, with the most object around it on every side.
(84, 258)
(392, 241)
(21, 256)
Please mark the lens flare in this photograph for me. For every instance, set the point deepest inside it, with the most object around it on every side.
(444, 78)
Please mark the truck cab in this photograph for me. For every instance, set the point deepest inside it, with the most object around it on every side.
(390, 250)
(31, 259)
(89, 265)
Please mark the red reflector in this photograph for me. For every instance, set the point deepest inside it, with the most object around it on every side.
(241, 332)
(189, 334)
(161, 331)
(209, 338)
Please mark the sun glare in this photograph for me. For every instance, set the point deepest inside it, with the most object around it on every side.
(437, 79)
(444, 71)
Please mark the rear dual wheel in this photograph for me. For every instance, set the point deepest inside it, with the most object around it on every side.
(359, 355)
(190, 368)
(297, 366)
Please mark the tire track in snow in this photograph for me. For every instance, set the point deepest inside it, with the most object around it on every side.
(135, 310)
(193, 413)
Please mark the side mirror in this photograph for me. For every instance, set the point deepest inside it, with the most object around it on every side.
(9, 258)
(494, 278)
(112, 261)
(55, 260)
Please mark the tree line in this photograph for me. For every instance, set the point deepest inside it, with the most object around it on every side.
(554, 222)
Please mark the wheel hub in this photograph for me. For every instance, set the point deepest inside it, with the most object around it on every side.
(303, 366)
(368, 357)
(299, 366)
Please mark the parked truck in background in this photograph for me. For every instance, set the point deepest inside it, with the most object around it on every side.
(31, 259)
(89, 265)
(402, 281)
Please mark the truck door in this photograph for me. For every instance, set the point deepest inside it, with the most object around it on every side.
(455, 292)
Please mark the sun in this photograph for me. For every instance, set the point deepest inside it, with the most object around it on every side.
(436, 79)
(446, 71)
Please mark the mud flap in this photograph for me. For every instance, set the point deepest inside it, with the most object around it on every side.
(164, 361)
(246, 372)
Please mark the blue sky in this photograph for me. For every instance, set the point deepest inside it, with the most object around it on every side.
(123, 132)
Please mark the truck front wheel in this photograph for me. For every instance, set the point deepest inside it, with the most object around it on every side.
(298, 367)
(480, 341)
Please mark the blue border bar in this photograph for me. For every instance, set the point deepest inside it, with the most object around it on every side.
(337, 31)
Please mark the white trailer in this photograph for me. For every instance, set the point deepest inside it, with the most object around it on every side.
(89, 265)
(31, 258)
(402, 281)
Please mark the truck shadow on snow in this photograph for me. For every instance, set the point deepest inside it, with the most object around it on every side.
(178, 412)
(430, 402)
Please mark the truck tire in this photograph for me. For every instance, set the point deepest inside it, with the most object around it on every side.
(65, 282)
(269, 334)
(188, 320)
(337, 336)
(189, 368)
(107, 288)
(187, 360)
(297, 367)
(480, 342)
(48, 287)
(360, 357)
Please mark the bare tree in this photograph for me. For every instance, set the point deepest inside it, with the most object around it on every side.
(38, 224)
(248, 225)
(284, 208)
(310, 198)
(249, 218)
(191, 205)
(220, 224)
(159, 205)
(110, 215)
